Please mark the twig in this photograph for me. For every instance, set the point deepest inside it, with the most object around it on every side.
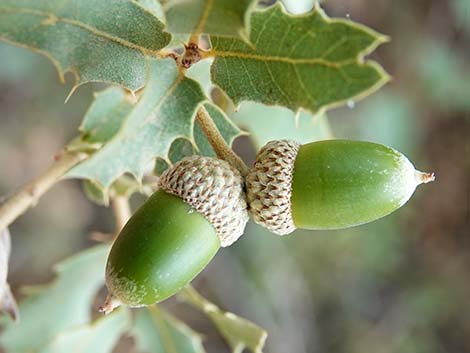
(29, 195)
(122, 211)
(218, 143)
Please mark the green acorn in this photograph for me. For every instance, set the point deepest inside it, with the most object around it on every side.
(199, 207)
(328, 184)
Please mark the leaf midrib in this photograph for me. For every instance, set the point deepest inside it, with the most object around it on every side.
(203, 20)
(54, 18)
(292, 61)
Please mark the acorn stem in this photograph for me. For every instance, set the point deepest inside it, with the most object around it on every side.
(122, 211)
(424, 178)
(109, 304)
(218, 143)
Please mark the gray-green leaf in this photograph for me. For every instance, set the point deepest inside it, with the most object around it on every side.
(239, 333)
(63, 303)
(182, 148)
(99, 336)
(164, 113)
(308, 61)
(95, 40)
(156, 331)
(216, 17)
(106, 115)
(154, 7)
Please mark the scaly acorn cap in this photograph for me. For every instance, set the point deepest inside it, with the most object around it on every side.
(213, 188)
(269, 186)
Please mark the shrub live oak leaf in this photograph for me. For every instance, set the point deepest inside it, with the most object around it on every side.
(308, 61)
(105, 116)
(239, 333)
(165, 112)
(182, 147)
(60, 306)
(157, 331)
(104, 41)
(100, 335)
(215, 17)
(112, 118)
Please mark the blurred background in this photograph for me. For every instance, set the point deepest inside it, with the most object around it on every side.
(401, 284)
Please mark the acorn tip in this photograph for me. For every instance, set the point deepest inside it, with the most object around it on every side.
(109, 304)
(424, 178)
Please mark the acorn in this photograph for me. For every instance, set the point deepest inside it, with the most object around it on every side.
(199, 207)
(330, 184)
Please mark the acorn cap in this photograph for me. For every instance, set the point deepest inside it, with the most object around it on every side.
(269, 186)
(213, 188)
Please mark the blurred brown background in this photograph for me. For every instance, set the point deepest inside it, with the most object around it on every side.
(400, 284)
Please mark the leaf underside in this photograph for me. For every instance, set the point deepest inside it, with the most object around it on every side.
(128, 137)
(239, 333)
(305, 62)
(100, 335)
(102, 41)
(57, 316)
(156, 331)
(165, 112)
(214, 17)
(61, 305)
(181, 148)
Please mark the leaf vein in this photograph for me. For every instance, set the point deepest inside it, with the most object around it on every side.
(205, 15)
(284, 94)
(260, 33)
(293, 61)
(302, 85)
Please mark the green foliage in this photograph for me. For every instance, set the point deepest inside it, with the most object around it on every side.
(182, 147)
(156, 331)
(216, 17)
(307, 61)
(129, 136)
(295, 71)
(59, 306)
(165, 112)
(124, 186)
(98, 336)
(56, 317)
(154, 7)
(105, 116)
(83, 36)
(239, 333)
